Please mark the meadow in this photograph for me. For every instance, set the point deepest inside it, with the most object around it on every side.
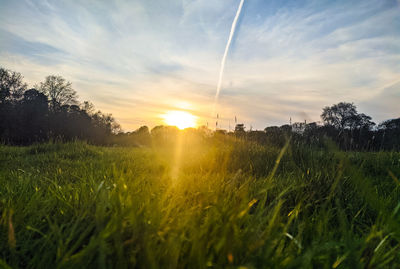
(198, 203)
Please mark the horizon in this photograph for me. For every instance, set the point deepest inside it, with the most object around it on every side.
(140, 61)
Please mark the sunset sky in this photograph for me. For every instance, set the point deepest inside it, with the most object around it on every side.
(140, 59)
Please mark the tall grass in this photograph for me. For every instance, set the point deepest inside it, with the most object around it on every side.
(230, 204)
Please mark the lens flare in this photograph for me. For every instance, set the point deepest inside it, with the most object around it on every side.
(180, 119)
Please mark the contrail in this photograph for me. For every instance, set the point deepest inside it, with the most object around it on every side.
(228, 44)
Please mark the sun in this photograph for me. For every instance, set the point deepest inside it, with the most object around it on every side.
(180, 119)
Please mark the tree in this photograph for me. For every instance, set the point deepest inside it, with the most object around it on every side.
(240, 128)
(142, 136)
(11, 85)
(286, 129)
(143, 130)
(106, 122)
(28, 116)
(364, 122)
(390, 124)
(388, 134)
(59, 91)
(34, 110)
(340, 115)
(345, 116)
(11, 90)
(88, 107)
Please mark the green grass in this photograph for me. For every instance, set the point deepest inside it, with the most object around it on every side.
(198, 205)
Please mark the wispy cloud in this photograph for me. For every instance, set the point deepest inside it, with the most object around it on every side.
(137, 59)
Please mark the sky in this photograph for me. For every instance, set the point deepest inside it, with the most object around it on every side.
(140, 59)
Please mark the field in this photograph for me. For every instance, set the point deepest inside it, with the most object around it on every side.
(198, 204)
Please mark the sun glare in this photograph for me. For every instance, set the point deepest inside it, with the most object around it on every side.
(180, 119)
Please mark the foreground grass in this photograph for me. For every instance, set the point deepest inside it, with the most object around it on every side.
(226, 204)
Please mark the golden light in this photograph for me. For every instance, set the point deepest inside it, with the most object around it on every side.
(180, 119)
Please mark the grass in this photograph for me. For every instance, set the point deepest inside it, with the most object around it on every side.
(198, 205)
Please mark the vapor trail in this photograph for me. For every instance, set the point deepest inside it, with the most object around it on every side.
(228, 44)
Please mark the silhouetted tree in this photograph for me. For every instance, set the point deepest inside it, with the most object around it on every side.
(345, 116)
(34, 116)
(106, 122)
(88, 107)
(391, 124)
(340, 116)
(286, 129)
(11, 85)
(28, 116)
(354, 129)
(11, 90)
(240, 130)
(142, 136)
(388, 135)
(59, 91)
(52, 111)
(275, 135)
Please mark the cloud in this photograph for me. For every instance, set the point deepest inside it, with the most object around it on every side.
(137, 59)
(385, 104)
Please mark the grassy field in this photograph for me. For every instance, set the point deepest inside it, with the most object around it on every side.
(198, 205)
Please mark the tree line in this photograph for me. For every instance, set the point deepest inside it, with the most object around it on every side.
(51, 111)
(341, 123)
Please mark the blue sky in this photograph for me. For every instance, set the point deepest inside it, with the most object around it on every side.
(139, 59)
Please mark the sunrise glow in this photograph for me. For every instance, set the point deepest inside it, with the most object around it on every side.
(180, 119)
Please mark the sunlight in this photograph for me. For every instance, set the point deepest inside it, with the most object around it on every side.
(180, 119)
